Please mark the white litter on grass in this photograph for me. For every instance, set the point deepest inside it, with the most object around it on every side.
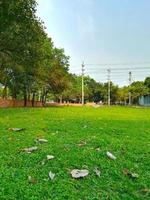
(41, 140)
(111, 156)
(97, 171)
(130, 174)
(51, 175)
(76, 173)
(134, 175)
(30, 149)
(82, 143)
(98, 149)
(50, 157)
(16, 129)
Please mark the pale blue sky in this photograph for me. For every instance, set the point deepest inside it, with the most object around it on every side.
(100, 31)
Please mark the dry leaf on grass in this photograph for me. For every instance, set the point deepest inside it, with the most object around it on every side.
(81, 144)
(50, 157)
(76, 173)
(16, 129)
(40, 140)
(32, 180)
(51, 175)
(111, 156)
(130, 174)
(30, 149)
(97, 171)
(98, 149)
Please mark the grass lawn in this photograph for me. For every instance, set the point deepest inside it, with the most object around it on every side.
(125, 132)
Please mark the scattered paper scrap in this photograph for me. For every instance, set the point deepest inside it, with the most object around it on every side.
(16, 129)
(30, 149)
(76, 173)
(50, 157)
(130, 174)
(51, 175)
(98, 149)
(81, 144)
(111, 156)
(40, 140)
(134, 175)
(97, 171)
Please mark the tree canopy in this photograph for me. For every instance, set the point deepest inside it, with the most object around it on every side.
(29, 62)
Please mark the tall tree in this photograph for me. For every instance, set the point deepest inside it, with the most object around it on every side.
(137, 89)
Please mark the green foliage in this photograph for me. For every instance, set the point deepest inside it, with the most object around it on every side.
(123, 94)
(147, 83)
(138, 89)
(94, 91)
(29, 62)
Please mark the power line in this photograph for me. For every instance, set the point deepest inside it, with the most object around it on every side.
(121, 68)
(117, 64)
(118, 73)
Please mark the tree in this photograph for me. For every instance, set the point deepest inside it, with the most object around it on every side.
(123, 95)
(29, 62)
(137, 89)
(21, 38)
(147, 83)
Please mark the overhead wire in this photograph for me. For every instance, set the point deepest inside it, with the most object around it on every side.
(118, 71)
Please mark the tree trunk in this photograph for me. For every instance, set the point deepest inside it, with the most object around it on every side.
(45, 98)
(33, 99)
(4, 95)
(25, 97)
(60, 99)
(42, 99)
(14, 94)
(29, 97)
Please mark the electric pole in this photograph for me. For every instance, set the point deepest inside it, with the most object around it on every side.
(130, 80)
(108, 71)
(83, 83)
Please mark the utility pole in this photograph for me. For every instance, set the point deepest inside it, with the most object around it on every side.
(130, 80)
(83, 83)
(108, 71)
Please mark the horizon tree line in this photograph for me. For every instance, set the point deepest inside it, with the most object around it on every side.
(32, 68)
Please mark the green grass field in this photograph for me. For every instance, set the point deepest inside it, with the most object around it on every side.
(123, 131)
